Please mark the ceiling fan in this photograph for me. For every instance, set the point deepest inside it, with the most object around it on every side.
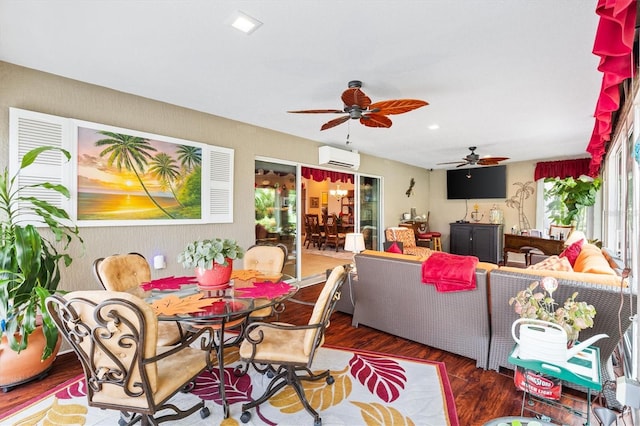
(473, 159)
(357, 105)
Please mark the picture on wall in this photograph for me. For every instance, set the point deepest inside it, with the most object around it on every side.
(125, 176)
(315, 202)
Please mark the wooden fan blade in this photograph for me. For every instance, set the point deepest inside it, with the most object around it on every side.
(355, 96)
(453, 162)
(318, 111)
(491, 161)
(334, 122)
(396, 106)
(375, 120)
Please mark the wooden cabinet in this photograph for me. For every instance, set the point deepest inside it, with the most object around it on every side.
(347, 204)
(482, 240)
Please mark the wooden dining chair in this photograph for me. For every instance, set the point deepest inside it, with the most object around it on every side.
(115, 336)
(314, 235)
(556, 231)
(333, 236)
(263, 348)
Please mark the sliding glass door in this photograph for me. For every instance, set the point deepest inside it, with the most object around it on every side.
(370, 211)
(355, 200)
(276, 214)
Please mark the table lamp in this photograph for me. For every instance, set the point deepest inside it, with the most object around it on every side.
(354, 241)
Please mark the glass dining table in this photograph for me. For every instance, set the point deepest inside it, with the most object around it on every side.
(223, 309)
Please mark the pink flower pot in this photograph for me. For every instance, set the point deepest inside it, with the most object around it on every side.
(218, 276)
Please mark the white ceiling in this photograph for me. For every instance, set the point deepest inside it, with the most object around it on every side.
(516, 78)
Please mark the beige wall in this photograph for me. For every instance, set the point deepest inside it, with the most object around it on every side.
(36, 91)
(444, 211)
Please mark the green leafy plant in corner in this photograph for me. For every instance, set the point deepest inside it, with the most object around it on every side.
(29, 260)
(571, 196)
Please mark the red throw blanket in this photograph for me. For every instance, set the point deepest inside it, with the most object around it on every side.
(450, 272)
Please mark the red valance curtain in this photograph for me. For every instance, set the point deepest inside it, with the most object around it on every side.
(614, 44)
(562, 169)
(320, 175)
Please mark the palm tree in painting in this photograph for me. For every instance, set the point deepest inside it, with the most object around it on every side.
(189, 157)
(166, 170)
(127, 152)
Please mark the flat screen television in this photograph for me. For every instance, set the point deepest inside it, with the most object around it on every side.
(484, 182)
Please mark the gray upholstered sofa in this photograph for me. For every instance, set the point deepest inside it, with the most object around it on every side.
(389, 296)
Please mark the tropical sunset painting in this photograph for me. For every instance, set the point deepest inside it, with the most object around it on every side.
(124, 177)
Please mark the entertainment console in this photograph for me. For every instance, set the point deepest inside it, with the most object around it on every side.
(483, 240)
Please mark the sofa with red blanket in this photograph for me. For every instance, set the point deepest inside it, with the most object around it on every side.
(390, 296)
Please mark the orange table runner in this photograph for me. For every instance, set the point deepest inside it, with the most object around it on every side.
(172, 304)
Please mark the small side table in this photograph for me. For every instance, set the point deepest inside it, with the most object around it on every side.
(583, 370)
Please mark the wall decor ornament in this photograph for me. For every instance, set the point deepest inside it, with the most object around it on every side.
(524, 191)
(409, 191)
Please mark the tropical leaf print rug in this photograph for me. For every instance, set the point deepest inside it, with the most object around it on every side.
(369, 389)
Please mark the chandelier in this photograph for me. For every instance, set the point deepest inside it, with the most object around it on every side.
(338, 193)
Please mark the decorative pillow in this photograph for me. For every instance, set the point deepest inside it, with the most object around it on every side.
(572, 252)
(394, 247)
(591, 260)
(553, 263)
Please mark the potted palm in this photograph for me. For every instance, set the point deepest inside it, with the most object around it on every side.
(30, 268)
(212, 260)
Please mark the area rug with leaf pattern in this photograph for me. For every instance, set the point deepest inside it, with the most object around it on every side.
(370, 389)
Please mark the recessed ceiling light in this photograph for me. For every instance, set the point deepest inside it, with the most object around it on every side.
(243, 22)
(433, 127)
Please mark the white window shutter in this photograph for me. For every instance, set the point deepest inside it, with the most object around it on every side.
(217, 176)
(29, 130)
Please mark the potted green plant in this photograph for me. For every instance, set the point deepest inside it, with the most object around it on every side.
(212, 260)
(571, 196)
(30, 259)
(572, 316)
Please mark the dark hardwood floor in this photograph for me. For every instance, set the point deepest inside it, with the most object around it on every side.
(479, 395)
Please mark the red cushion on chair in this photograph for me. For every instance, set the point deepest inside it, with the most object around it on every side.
(394, 248)
(435, 234)
(572, 252)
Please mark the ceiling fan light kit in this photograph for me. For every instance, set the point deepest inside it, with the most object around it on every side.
(474, 159)
(358, 106)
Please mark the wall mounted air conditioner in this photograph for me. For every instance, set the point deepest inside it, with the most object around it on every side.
(338, 157)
